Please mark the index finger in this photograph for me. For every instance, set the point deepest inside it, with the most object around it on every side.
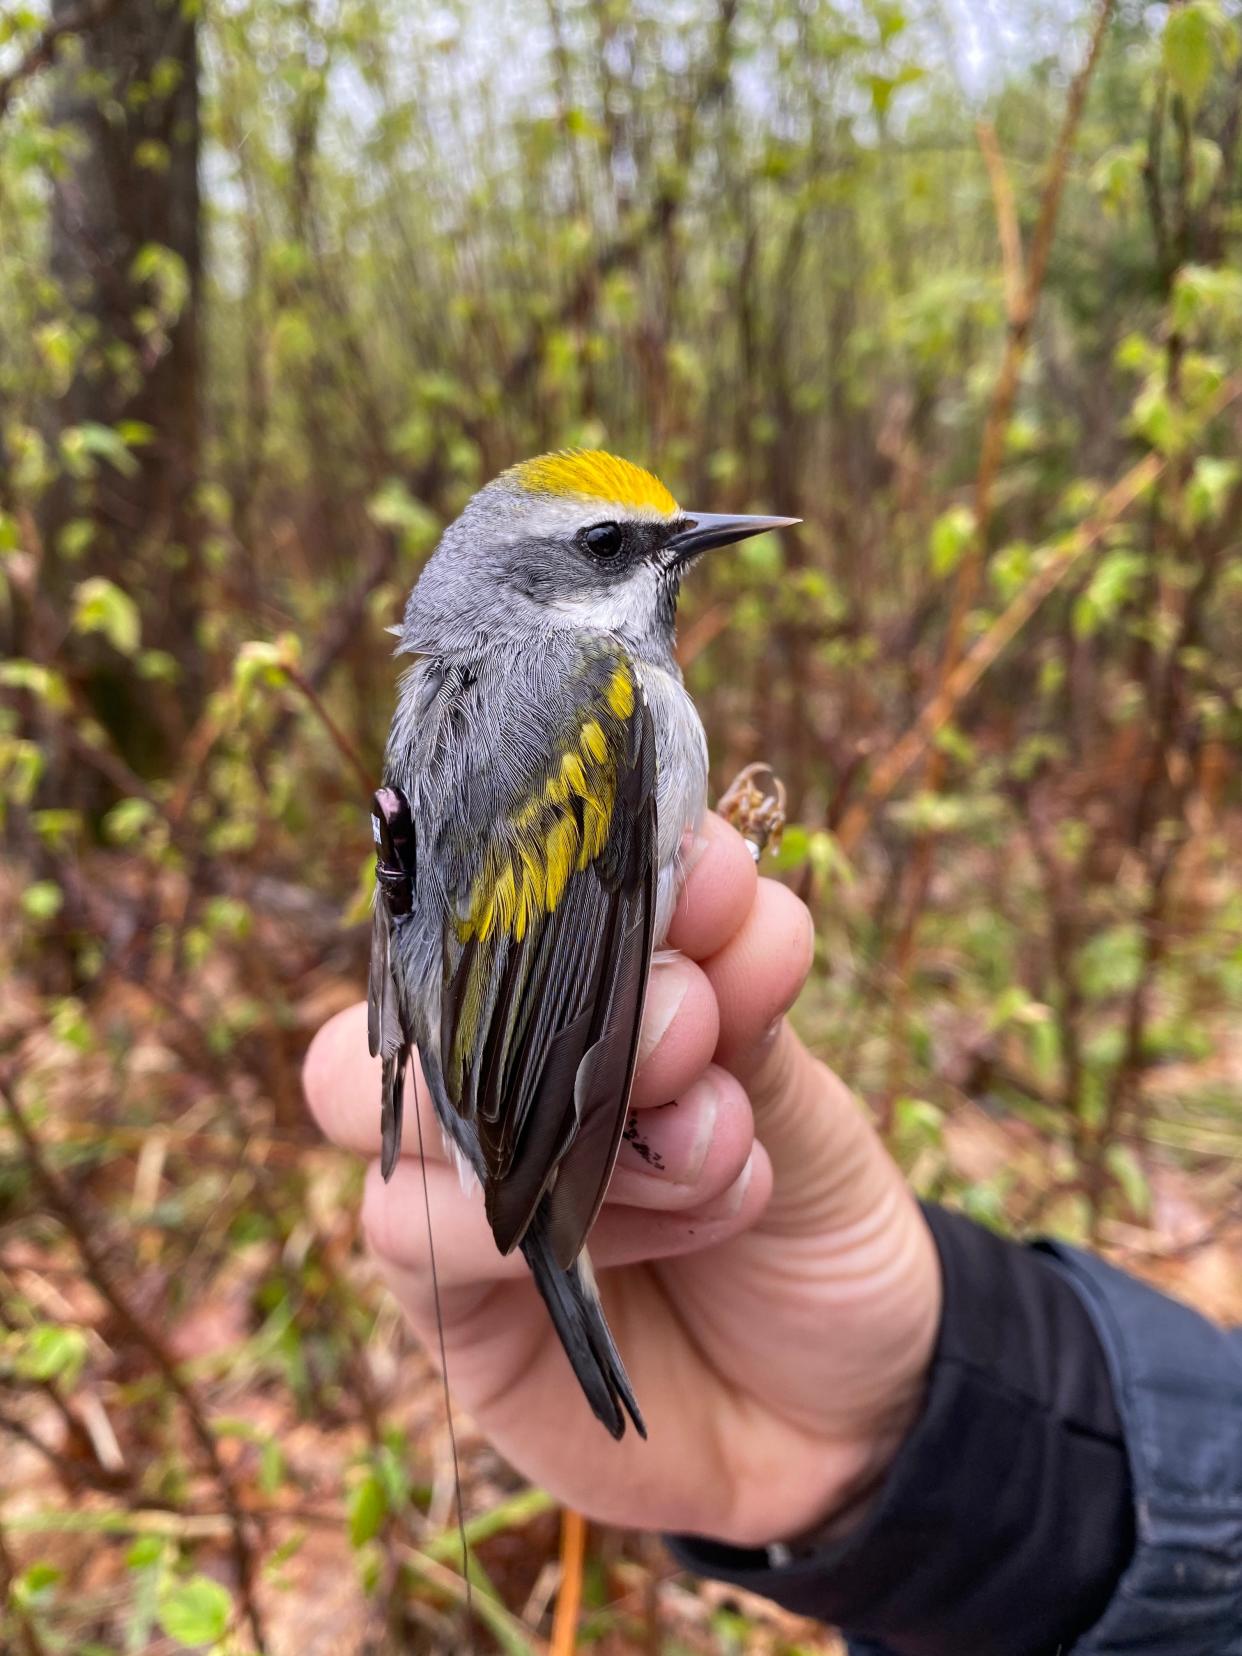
(342, 1081)
(342, 1085)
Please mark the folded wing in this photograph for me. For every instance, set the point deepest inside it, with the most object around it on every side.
(545, 968)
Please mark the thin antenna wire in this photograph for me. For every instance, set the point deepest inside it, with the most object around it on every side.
(448, 1402)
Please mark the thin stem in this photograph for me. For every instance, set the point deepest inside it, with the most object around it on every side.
(569, 1598)
(344, 746)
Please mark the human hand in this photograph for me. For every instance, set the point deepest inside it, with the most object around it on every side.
(767, 1275)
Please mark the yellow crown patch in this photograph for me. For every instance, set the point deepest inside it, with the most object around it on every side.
(590, 474)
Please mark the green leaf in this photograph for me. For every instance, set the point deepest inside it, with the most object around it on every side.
(57, 828)
(265, 661)
(1118, 174)
(1015, 1005)
(954, 743)
(1209, 488)
(394, 507)
(1113, 582)
(761, 556)
(1110, 962)
(158, 664)
(100, 606)
(152, 155)
(135, 433)
(146, 1551)
(196, 1612)
(36, 1583)
(1204, 295)
(368, 1507)
(271, 1467)
(293, 339)
(1189, 52)
(52, 1352)
(44, 683)
(70, 1025)
(891, 20)
(882, 87)
(1124, 1166)
(75, 539)
(90, 440)
(795, 848)
(1155, 418)
(918, 1125)
(164, 271)
(43, 900)
(127, 819)
(951, 534)
(581, 125)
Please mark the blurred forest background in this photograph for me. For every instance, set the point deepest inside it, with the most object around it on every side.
(281, 283)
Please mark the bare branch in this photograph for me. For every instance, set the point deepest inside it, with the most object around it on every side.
(1006, 219)
(970, 669)
(1004, 393)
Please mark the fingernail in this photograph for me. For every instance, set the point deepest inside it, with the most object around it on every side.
(665, 993)
(692, 849)
(708, 1109)
(768, 1039)
(736, 1194)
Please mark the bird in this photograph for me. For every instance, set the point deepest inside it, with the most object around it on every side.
(544, 768)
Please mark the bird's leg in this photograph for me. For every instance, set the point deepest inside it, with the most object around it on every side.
(754, 802)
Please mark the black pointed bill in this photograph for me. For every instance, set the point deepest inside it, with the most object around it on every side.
(705, 530)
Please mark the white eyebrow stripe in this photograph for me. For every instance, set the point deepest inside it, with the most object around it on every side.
(535, 515)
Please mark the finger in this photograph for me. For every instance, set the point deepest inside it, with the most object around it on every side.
(679, 1034)
(758, 974)
(468, 1263)
(830, 1166)
(394, 1219)
(685, 1154)
(342, 1085)
(630, 1235)
(718, 891)
(342, 1081)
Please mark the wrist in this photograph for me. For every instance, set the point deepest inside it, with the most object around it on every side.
(854, 1495)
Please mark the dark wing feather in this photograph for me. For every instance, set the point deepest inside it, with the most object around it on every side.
(552, 1017)
(607, 1069)
(387, 1034)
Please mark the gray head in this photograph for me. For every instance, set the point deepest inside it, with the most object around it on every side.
(579, 540)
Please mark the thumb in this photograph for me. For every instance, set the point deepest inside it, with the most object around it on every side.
(842, 1245)
(830, 1169)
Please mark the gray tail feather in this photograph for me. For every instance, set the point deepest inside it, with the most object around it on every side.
(579, 1322)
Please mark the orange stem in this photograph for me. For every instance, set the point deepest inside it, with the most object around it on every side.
(569, 1596)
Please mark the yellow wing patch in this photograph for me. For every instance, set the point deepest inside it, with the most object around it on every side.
(590, 474)
(560, 830)
(621, 692)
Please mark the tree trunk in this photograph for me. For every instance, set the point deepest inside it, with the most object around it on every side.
(126, 254)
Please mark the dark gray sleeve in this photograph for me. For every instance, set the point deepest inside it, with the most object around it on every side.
(1073, 1487)
(1006, 1520)
(1177, 1379)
